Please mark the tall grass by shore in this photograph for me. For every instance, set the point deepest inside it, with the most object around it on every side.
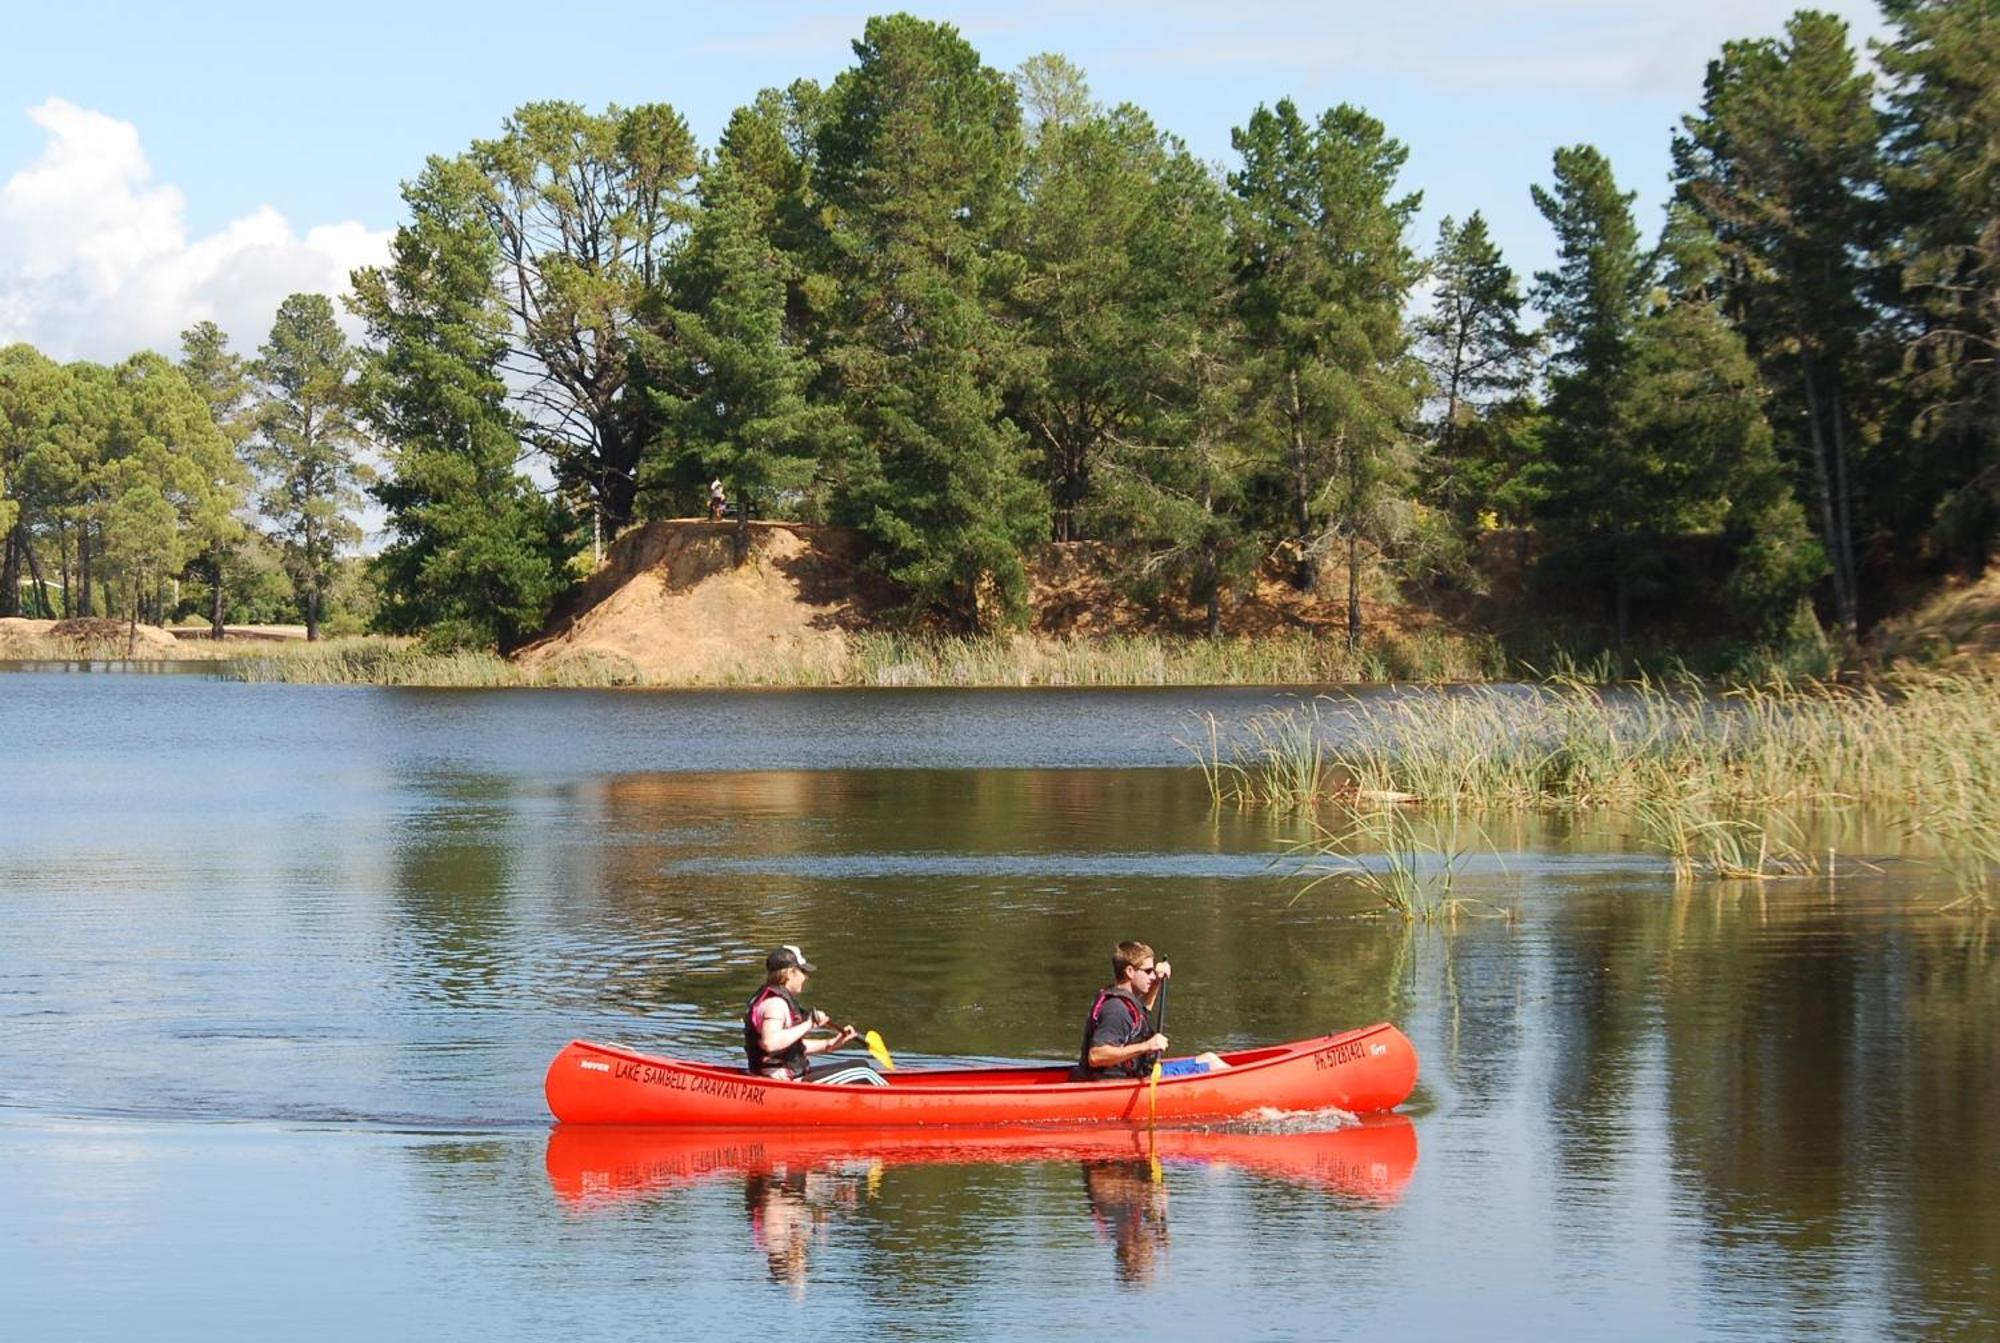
(1714, 782)
(878, 658)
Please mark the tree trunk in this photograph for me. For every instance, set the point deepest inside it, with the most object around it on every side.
(742, 539)
(10, 572)
(215, 593)
(1306, 576)
(84, 607)
(1353, 593)
(62, 563)
(46, 608)
(1843, 511)
(1837, 550)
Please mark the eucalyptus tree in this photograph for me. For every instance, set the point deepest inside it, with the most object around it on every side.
(585, 212)
(1324, 275)
(222, 379)
(477, 555)
(918, 155)
(1781, 162)
(157, 484)
(1942, 66)
(306, 448)
(32, 390)
(1482, 362)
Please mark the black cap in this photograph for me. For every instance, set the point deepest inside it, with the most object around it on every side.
(787, 956)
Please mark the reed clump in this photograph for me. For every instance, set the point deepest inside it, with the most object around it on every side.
(1713, 781)
(1570, 744)
(889, 658)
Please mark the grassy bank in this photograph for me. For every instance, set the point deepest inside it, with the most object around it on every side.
(895, 659)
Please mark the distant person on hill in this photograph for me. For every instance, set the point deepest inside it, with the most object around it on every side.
(778, 1031)
(1120, 1036)
(718, 500)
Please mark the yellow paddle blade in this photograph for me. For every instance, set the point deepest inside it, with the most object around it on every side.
(1153, 1095)
(881, 1051)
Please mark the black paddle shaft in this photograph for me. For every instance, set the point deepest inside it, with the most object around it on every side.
(1159, 1022)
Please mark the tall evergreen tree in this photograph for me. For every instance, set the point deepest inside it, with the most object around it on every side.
(738, 409)
(1481, 363)
(219, 376)
(1781, 163)
(306, 448)
(1943, 149)
(1595, 510)
(1323, 275)
(918, 155)
(477, 555)
(1119, 230)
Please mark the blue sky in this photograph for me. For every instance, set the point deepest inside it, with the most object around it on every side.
(162, 163)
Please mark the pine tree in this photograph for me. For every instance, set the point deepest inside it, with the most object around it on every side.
(1943, 196)
(735, 405)
(1323, 276)
(306, 447)
(1481, 364)
(1595, 510)
(1121, 231)
(220, 377)
(918, 154)
(1780, 163)
(477, 556)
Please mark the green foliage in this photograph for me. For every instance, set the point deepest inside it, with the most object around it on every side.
(1481, 363)
(1942, 146)
(733, 393)
(1323, 278)
(477, 555)
(1780, 164)
(918, 154)
(585, 211)
(306, 446)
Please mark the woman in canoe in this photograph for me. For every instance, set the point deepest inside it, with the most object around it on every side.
(778, 1031)
(1121, 1036)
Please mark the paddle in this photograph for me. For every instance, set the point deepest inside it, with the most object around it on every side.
(873, 1040)
(1153, 1087)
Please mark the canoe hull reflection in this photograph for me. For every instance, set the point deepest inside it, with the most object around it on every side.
(1361, 1071)
(1372, 1159)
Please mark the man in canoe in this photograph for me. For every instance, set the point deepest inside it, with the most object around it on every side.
(778, 1031)
(1121, 1037)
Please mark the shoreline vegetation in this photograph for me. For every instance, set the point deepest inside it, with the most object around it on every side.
(1726, 786)
(876, 658)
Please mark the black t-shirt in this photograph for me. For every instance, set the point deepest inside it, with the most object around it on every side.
(1117, 1018)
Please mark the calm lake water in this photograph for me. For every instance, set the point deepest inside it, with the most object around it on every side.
(281, 969)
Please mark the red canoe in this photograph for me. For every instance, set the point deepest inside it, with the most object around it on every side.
(600, 1164)
(1360, 1071)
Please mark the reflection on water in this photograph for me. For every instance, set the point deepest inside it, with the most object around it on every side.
(282, 968)
(804, 1188)
(1128, 1202)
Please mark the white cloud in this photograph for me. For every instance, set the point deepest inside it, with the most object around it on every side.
(96, 261)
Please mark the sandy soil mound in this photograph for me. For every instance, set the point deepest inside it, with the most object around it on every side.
(92, 637)
(671, 606)
(1958, 629)
(1076, 593)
